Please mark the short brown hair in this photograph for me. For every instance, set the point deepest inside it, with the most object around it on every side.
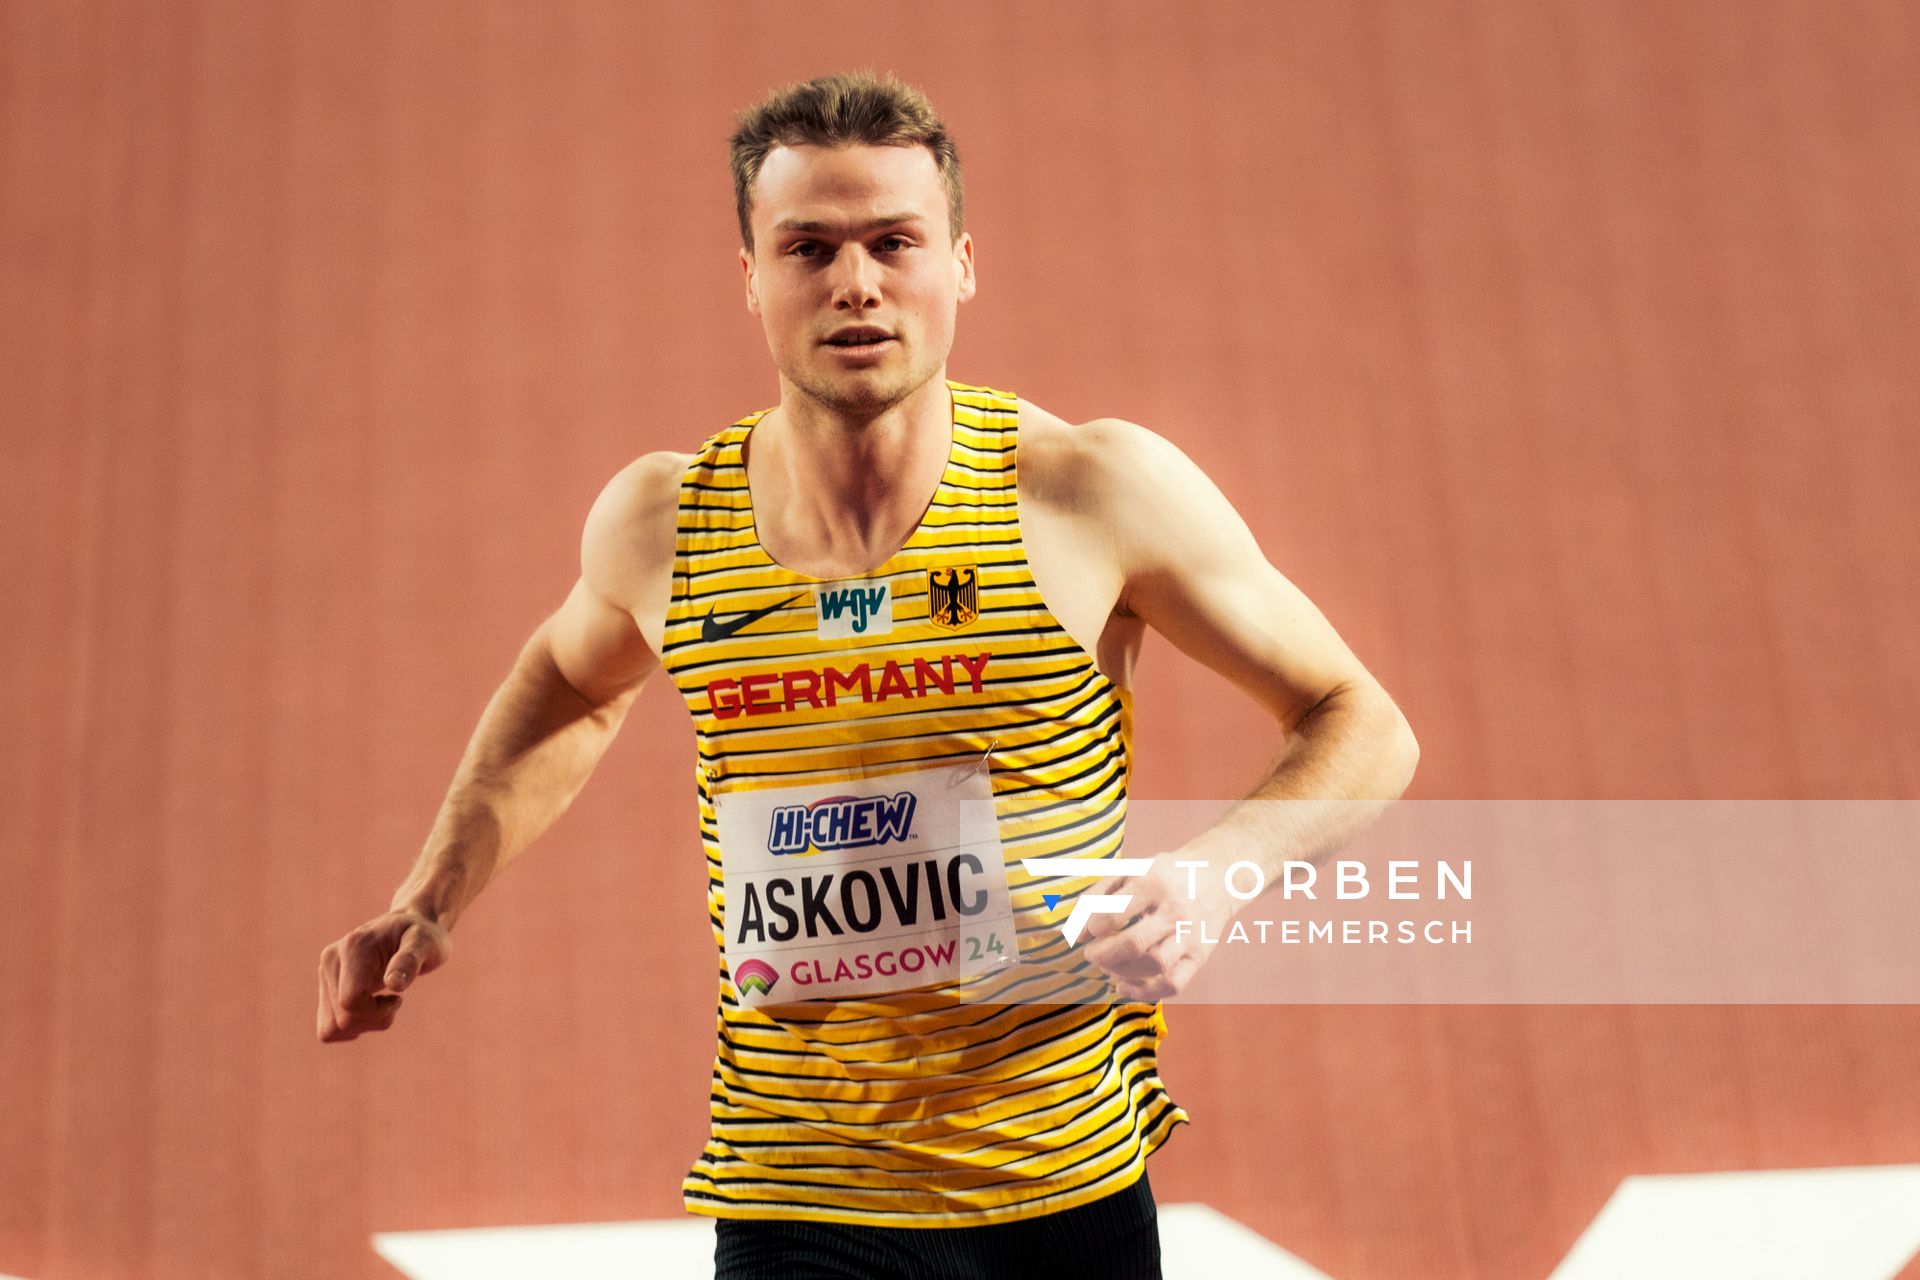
(858, 107)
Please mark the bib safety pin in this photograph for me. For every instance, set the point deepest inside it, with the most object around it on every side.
(982, 765)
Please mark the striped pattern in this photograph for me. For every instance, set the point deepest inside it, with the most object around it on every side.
(942, 1107)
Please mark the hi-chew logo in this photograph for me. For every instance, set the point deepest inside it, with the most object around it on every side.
(854, 609)
(1087, 905)
(840, 822)
(755, 975)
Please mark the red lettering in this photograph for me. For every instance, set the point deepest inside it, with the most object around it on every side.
(802, 686)
(976, 667)
(754, 691)
(857, 678)
(767, 692)
(892, 683)
(925, 677)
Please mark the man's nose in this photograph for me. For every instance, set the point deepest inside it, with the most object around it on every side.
(856, 282)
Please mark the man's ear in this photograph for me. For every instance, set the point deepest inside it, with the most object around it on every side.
(963, 256)
(746, 266)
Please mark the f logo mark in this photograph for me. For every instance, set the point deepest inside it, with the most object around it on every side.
(1088, 905)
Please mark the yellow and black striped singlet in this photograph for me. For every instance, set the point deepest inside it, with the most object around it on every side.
(926, 1108)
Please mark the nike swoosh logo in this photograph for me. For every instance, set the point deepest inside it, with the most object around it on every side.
(711, 630)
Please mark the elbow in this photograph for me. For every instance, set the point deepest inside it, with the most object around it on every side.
(1402, 753)
(1395, 749)
(1374, 737)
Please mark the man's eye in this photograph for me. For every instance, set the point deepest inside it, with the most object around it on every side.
(805, 249)
(890, 243)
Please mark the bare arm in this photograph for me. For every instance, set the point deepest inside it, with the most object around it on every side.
(1204, 584)
(1199, 578)
(536, 744)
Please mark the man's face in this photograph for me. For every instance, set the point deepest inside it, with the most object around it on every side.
(854, 273)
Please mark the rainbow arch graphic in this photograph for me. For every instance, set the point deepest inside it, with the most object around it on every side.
(755, 975)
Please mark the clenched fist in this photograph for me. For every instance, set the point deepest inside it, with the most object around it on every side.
(1153, 948)
(363, 974)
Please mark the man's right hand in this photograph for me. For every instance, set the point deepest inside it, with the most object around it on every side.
(540, 736)
(363, 973)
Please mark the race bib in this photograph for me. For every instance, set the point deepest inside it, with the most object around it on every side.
(863, 888)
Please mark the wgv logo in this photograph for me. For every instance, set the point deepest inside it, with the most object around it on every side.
(1087, 905)
(840, 822)
(854, 609)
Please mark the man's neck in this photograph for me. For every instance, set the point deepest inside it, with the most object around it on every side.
(830, 488)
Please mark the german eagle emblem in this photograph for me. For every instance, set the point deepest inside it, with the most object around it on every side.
(953, 596)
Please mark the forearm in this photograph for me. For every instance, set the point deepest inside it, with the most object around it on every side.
(534, 748)
(1347, 759)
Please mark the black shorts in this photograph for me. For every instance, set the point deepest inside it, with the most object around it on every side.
(1116, 1237)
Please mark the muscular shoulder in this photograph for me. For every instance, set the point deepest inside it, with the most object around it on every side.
(1132, 494)
(1102, 469)
(626, 550)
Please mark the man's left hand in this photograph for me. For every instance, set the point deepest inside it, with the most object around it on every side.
(1144, 948)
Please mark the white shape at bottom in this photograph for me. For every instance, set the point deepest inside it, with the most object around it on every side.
(1197, 1243)
(576, 1251)
(1201, 1243)
(1785, 1224)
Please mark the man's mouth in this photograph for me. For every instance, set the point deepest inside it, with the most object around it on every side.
(857, 338)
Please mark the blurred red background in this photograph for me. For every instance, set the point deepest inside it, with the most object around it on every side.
(1563, 353)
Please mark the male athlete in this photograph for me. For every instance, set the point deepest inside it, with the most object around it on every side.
(904, 612)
